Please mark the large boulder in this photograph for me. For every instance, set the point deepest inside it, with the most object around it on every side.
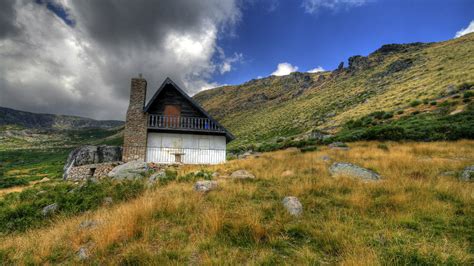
(348, 169)
(293, 206)
(242, 174)
(92, 155)
(130, 171)
(467, 174)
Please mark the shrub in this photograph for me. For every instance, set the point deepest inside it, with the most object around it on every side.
(415, 103)
(468, 94)
(6, 182)
(309, 148)
(433, 103)
(383, 146)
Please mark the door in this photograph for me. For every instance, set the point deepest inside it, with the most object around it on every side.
(172, 115)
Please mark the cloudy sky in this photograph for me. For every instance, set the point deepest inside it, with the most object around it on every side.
(77, 57)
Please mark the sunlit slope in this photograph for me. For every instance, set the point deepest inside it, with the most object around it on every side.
(386, 80)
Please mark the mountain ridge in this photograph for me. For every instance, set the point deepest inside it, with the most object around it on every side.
(30, 120)
(386, 80)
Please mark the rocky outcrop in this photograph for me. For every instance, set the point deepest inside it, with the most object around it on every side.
(86, 155)
(205, 185)
(242, 174)
(293, 206)
(50, 209)
(129, 171)
(467, 174)
(358, 63)
(348, 169)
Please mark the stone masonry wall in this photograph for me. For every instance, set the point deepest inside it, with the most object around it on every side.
(84, 172)
(135, 134)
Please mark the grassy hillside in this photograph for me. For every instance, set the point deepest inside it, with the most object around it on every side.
(391, 79)
(420, 213)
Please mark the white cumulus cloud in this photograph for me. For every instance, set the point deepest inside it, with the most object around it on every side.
(284, 69)
(316, 69)
(468, 29)
(314, 6)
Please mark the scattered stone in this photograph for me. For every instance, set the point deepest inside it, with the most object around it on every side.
(450, 90)
(41, 192)
(287, 173)
(338, 145)
(50, 209)
(467, 174)
(292, 149)
(325, 158)
(448, 173)
(130, 171)
(320, 136)
(83, 253)
(245, 155)
(215, 174)
(91, 155)
(205, 185)
(293, 205)
(157, 176)
(242, 174)
(108, 201)
(88, 224)
(349, 169)
(45, 179)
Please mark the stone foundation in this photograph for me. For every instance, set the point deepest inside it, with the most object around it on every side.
(88, 171)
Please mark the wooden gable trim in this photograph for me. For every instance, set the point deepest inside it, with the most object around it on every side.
(167, 81)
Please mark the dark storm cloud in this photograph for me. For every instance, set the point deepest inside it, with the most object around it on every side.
(85, 68)
(8, 27)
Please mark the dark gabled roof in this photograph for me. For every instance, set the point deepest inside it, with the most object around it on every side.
(167, 81)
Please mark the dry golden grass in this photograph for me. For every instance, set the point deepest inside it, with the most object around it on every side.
(414, 215)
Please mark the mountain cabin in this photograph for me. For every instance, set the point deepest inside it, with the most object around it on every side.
(171, 128)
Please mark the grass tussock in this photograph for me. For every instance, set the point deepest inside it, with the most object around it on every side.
(415, 215)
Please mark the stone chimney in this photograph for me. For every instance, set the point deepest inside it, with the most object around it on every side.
(135, 134)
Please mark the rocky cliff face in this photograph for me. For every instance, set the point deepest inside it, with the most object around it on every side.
(49, 121)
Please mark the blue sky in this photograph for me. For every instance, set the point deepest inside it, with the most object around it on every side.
(287, 33)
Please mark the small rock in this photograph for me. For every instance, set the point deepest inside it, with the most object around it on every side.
(293, 205)
(325, 158)
(287, 173)
(349, 169)
(88, 224)
(245, 155)
(108, 201)
(242, 174)
(41, 192)
(338, 145)
(83, 253)
(205, 185)
(448, 173)
(45, 179)
(467, 174)
(157, 176)
(215, 174)
(50, 209)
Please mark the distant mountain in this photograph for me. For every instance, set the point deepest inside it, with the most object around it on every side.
(28, 120)
(402, 80)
